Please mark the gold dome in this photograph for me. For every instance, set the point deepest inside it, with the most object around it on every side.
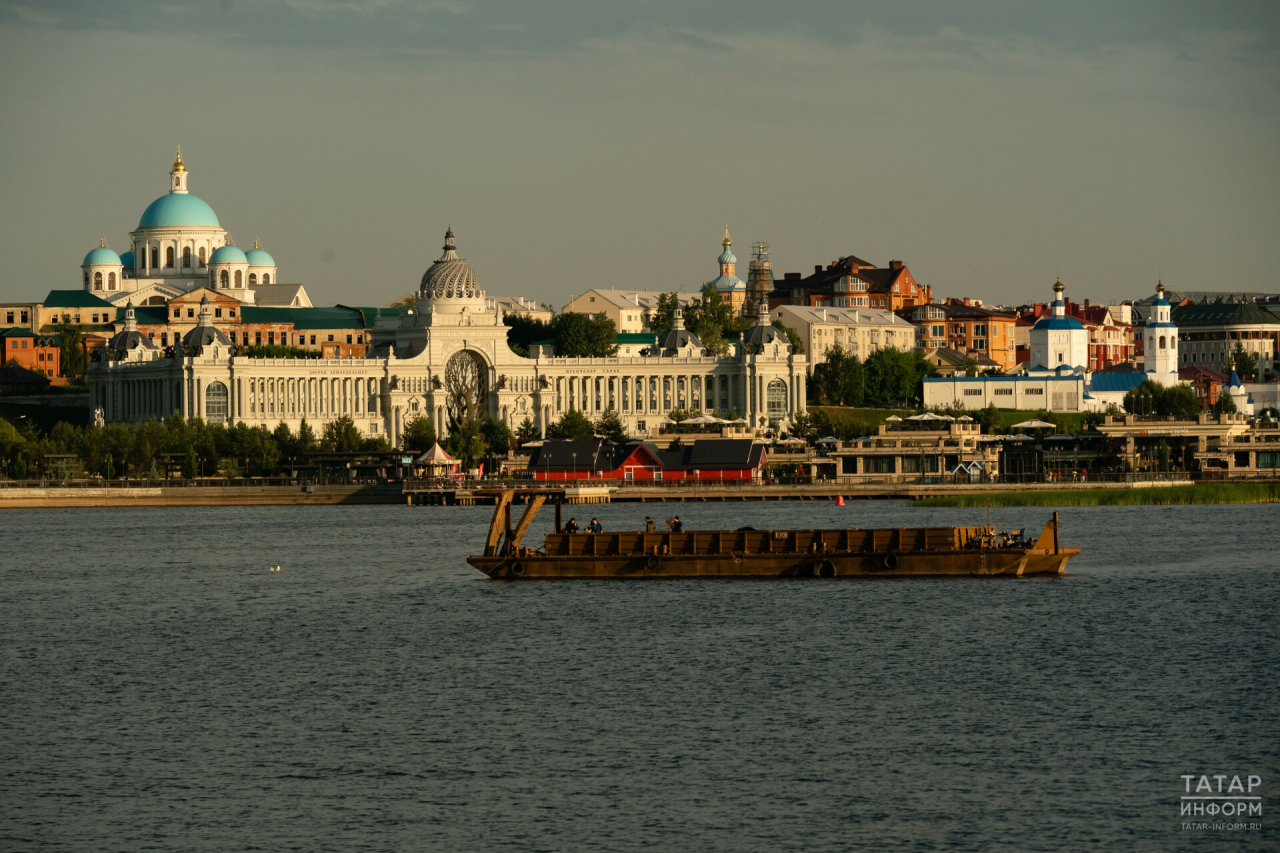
(177, 164)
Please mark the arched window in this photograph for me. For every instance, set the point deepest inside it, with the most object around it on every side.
(186, 256)
(168, 258)
(776, 400)
(111, 281)
(155, 257)
(253, 279)
(86, 279)
(266, 278)
(224, 279)
(202, 256)
(97, 281)
(215, 403)
(239, 280)
(1162, 342)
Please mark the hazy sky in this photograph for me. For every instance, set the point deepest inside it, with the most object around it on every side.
(589, 144)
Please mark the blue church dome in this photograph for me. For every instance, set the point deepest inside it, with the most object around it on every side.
(178, 209)
(259, 258)
(127, 260)
(726, 257)
(1058, 324)
(228, 255)
(102, 255)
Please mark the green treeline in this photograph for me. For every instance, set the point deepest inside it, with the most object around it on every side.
(888, 378)
(140, 450)
(1198, 493)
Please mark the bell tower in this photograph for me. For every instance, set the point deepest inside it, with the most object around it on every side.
(178, 174)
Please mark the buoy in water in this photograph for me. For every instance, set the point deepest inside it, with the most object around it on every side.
(839, 500)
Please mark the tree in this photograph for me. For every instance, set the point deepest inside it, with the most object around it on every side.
(970, 367)
(891, 378)
(418, 435)
(714, 342)
(584, 336)
(306, 438)
(710, 315)
(1245, 363)
(797, 345)
(341, 436)
(609, 427)
(522, 332)
(72, 355)
(1225, 405)
(496, 435)
(1149, 398)
(663, 316)
(190, 465)
(526, 431)
(572, 426)
(841, 379)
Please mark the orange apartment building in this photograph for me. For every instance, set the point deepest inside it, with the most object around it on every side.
(33, 351)
(965, 327)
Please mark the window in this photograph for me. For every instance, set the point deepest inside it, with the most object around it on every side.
(980, 328)
(348, 339)
(155, 256)
(313, 340)
(1162, 339)
(979, 344)
(164, 339)
(257, 338)
(215, 403)
(202, 256)
(1059, 358)
(97, 281)
(331, 338)
(1006, 391)
(186, 257)
(776, 400)
(1037, 392)
(878, 464)
(191, 312)
(938, 331)
(217, 312)
(224, 279)
(86, 279)
(168, 258)
(231, 312)
(111, 281)
(359, 339)
(177, 312)
(271, 337)
(239, 280)
(266, 278)
(253, 279)
(974, 392)
(8, 317)
(95, 318)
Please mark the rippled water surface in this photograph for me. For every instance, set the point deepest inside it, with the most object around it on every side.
(163, 691)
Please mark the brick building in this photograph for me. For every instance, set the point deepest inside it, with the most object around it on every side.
(852, 283)
(966, 327)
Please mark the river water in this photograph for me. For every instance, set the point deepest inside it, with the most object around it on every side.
(162, 690)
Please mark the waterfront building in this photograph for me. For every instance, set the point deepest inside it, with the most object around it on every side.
(1160, 342)
(1208, 334)
(1057, 340)
(446, 360)
(639, 462)
(858, 331)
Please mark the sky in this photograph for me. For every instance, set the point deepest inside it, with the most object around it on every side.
(992, 146)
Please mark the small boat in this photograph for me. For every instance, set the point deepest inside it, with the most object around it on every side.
(749, 553)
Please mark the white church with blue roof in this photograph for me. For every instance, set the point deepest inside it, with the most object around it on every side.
(179, 246)
(1058, 377)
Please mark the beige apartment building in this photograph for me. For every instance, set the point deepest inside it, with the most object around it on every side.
(858, 331)
(630, 310)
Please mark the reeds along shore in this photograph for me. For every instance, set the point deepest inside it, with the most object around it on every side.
(1201, 493)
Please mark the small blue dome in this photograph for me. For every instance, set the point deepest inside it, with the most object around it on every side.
(259, 258)
(726, 257)
(127, 260)
(102, 255)
(178, 209)
(725, 283)
(1160, 300)
(228, 255)
(1058, 324)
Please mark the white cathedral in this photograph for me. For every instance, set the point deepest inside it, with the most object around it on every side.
(179, 246)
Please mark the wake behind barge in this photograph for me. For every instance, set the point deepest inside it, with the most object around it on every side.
(914, 551)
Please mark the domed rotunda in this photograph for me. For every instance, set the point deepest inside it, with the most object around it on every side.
(450, 285)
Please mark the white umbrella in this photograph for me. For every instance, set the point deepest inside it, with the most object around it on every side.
(1034, 424)
(965, 418)
(831, 439)
(532, 444)
(698, 420)
(947, 418)
(737, 421)
(893, 418)
(926, 416)
(1015, 438)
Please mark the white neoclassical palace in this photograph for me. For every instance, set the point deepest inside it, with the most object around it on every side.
(447, 360)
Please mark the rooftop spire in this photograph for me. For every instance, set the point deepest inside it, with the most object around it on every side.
(726, 242)
(177, 163)
(178, 174)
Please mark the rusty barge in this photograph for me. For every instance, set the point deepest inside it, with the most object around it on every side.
(747, 553)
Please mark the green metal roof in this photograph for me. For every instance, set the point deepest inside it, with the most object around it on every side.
(74, 299)
(635, 338)
(1224, 314)
(156, 315)
(304, 318)
(17, 333)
